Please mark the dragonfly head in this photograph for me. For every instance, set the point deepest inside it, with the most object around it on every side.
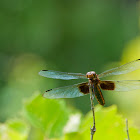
(91, 75)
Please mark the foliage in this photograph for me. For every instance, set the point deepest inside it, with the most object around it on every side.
(48, 115)
(69, 36)
(52, 119)
(15, 129)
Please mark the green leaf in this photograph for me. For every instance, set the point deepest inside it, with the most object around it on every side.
(48, 115)
(109, 125)
(36, 134)
(14, 130)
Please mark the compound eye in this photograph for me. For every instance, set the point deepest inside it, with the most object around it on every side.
(90, 74)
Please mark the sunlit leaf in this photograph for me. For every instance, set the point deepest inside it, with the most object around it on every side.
(48, 115)
(109, 125)
(14, 130)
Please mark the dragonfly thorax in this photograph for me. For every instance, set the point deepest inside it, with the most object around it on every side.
(91, 75)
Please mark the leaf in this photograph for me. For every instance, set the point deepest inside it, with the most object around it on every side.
(14, 130)
(109, 125)
(49, 115)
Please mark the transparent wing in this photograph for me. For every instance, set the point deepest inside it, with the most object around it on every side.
(76, 90)
(129, 67)
(61, 75)
(124, 85)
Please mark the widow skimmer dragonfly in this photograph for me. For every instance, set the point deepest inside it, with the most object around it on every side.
(82, 89)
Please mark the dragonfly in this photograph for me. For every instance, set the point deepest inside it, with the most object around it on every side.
(94, 81)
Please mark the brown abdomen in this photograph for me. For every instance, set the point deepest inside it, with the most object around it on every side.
(98, 94)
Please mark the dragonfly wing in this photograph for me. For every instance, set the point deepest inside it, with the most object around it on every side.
(76, 90)
(126, 68)
(124, 85)
(98, 95)
(61, 75)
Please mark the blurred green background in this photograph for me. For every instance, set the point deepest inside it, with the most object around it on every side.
(70, 36)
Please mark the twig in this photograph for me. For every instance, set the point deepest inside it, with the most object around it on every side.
(127, 129)
(93, 129)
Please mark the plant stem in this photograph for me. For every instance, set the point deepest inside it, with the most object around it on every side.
(93, 129)
(127, 129)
